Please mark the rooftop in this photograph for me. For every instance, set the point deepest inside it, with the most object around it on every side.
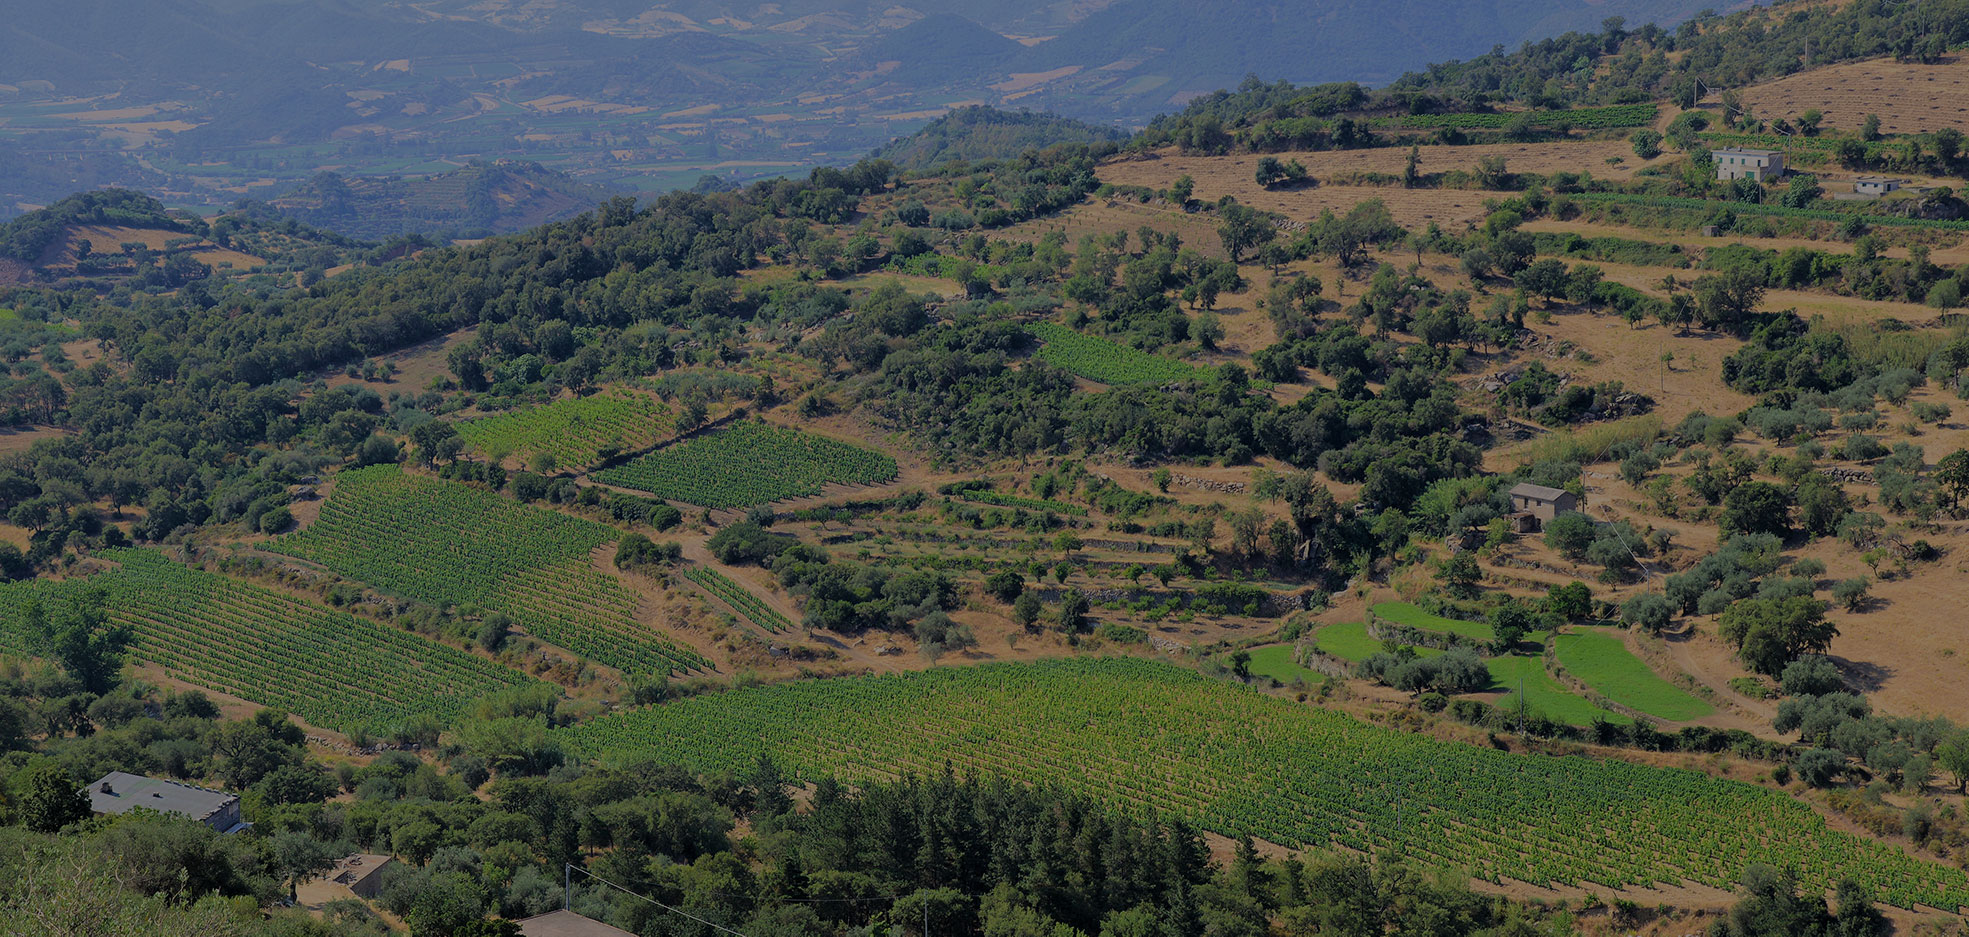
(1542, 493)
(568, 924)
(120, 792)
(1737, 151)
(355, 868)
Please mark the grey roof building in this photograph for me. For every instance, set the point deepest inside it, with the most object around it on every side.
(568, 924)
(120, 792)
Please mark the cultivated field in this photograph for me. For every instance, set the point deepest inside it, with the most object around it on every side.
(1165, 738)
(778, 463)
(331, 668)
(575, 431)
(449, 544)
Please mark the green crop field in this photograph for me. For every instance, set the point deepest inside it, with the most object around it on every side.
(1275, 661)
(447, 543)
(1350, 641)
(577, 431)
(1599, 659)
(331, 668)
(750, 463)
(1107, 362)
(738, 597)
(1542, 693)
(1150, 736)
(1402, 613)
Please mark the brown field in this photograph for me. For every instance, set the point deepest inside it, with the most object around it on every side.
(1908, 98)
(104, 239)
(1198, 230)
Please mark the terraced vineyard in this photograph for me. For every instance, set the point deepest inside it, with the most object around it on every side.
(748, 463)
(333, 669)
(449, 544)
(738, 597)
(1107, 362)
(1151, 736)
(575, 430)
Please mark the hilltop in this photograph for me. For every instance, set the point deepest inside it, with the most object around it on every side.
(983, 133)
(473, 201)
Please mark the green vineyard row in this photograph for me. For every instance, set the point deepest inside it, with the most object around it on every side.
(447, 543)
(331, 668)
(1145, 735)
(747, 463)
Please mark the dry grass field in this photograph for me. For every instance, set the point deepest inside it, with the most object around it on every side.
(1908, 98)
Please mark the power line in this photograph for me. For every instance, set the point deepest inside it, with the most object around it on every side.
(569, 876)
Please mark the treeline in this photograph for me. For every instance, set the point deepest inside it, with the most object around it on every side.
(1709, 51)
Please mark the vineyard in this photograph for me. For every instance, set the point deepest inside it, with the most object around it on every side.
(577, 431)
(1107, 362)
(1145, 735)
(1677, 203)
(1581, 118)
(448, 544)
(750, 463)
(735, 595)
(333, 669)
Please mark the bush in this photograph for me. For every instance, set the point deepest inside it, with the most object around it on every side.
(1851, 593)
(1811, 676)
(1005, 585)
(1649, 611)
(276, 520)
(1819, 767)
(1569, 535)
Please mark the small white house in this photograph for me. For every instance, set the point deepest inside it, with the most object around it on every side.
(1876, 185)
(1761, 165)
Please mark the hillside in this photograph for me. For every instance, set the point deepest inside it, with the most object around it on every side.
(474, 201)
(1477, 506)
(983, 133)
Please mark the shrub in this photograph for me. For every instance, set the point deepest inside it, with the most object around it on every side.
(1851, 593)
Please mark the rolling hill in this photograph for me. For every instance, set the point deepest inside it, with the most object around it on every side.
(479, 199)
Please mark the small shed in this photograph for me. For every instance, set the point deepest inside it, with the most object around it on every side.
(1876, 185)
(1541, 503)
(361, 874)
(568, 924)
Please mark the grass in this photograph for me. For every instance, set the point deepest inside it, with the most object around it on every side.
(1350, 641)
(1402, 613)
(1601, 661)
(1542, 693)
(1275, 661)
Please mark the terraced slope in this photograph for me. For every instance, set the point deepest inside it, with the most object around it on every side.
(447, 543)
(332, 668)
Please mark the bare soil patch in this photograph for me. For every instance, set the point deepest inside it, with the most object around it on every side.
(1909, 98)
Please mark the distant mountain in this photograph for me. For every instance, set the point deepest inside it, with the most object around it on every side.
(480, 199)
(990, 133)
(943, 48)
